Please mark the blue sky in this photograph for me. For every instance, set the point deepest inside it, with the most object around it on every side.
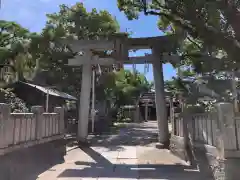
(31, 14)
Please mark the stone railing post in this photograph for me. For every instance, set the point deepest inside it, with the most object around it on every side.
(136, 114)
(38, 111)
(4, 124)
(226, 135)
(60, 111)
(171, 109)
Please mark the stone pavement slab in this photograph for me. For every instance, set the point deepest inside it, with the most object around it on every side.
(151, 155)
(128, 152)
(127, 158)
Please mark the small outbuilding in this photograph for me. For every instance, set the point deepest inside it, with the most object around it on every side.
(33, 94)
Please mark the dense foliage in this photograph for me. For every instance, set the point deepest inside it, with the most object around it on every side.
(29, 53)
(210, 46)
(124, 87)
(209, 26)
(16, 104)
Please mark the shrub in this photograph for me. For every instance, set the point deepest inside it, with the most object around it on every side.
(16, 104)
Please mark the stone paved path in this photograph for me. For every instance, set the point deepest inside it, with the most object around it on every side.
(129, 155)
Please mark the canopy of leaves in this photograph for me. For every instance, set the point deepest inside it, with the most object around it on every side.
(124, 87)
(23, 50)
(12, 39)
(211, 26)
(72, 22)
(15, 43)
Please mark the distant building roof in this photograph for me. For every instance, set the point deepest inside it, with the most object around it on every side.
(150, 96)
(50, 91)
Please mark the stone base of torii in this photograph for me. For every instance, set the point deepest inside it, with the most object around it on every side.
(161, 46)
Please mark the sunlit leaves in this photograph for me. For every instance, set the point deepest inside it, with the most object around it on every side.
(78, 23)
(211, 25)
(125, 87)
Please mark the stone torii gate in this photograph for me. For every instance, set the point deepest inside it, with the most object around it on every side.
(161, 47)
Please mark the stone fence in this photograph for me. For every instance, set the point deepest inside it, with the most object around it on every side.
(210, 141)
(21, 130)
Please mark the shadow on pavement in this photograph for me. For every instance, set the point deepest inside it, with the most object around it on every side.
(28, 163)
(133, 135)
(143, 134)
(103, 168)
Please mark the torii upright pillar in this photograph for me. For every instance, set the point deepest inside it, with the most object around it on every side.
(86, 59)
(84, 102)
(161, 112)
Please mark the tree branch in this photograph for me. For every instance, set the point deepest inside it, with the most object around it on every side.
(232, 14)
(194, 42)
(208, 34)
(178, 22)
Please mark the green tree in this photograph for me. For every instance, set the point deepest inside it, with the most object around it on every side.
(212, 23)
(15, 42)
(23, 49)
(12, 40)
(124, 87)
(210, 29)
(71, 22)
